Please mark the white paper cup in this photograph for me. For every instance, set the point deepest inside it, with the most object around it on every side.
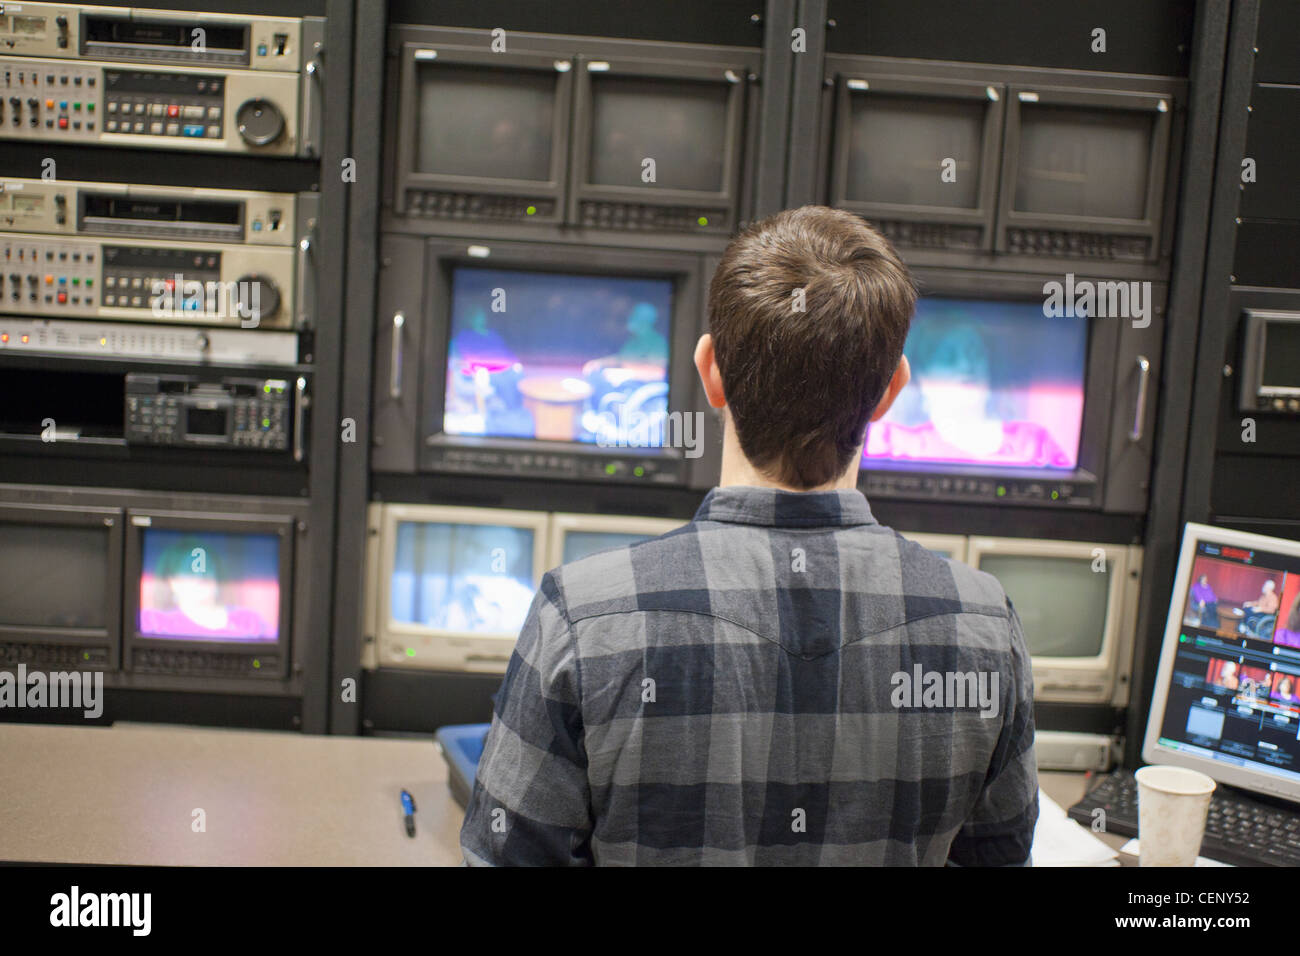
(1172, 804)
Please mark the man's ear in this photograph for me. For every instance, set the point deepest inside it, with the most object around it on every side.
(902, 375)
(706, 364)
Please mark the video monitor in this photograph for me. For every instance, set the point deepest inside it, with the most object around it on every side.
(994, 384)
(576, 536)
(1076, 602)
(454, 585)
(1227, 692)
(558, 357)
(479, 122)
(209, 586)
(951, 546)
(60, 583)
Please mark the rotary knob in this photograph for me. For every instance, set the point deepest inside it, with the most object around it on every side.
(259, 121)
(257, 296)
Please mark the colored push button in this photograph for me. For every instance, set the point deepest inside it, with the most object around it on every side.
(63, 104)
(63, 122)
(173, 111)
(261, 49)
(63, 298)
(90, 107)
(192, 129)
(49, 104)
(49, 280)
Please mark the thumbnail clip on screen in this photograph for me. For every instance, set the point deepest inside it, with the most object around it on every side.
(1234, 695)
(210, 586)
(565, 358)
(995, 384)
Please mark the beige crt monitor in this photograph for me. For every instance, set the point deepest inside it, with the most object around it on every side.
(1077, 603)
(568, 529)
(949, 545)
(448, 588)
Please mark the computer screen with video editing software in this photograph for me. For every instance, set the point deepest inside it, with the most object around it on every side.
(1232, 693)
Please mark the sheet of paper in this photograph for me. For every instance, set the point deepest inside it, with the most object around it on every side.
(1134, 847)
(1060, 841)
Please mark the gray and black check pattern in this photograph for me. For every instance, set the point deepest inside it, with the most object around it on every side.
(770, 627)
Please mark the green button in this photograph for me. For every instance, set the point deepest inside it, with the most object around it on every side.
(611, 468)
(638, 471)
(76, 281)
(76, 106)
(703, 220)
(531, 210)
(90, 107)
(89, 283)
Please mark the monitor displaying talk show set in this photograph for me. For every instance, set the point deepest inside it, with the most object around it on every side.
(995, 384)
(1227, 694)
(558, 357)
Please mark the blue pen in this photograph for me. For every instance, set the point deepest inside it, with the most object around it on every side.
(408, 809)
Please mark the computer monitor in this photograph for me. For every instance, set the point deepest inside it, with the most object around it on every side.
(949, 545)
(454, 585)
(995, 384)
(575, 536)
(60, 585)
(1077, 603)
(208, 595)
(1227, 693)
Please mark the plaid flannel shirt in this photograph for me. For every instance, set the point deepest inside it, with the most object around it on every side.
(747, 689)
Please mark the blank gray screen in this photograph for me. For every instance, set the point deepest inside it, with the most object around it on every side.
(680, 124)
(1083, 162)
(1061, 601)
(482, 122)
(52, 576)
(897, 146)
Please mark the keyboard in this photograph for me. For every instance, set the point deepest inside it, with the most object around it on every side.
(1238, 829)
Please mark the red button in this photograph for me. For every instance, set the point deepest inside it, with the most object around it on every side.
(63, 122)
(173, 111)
(63, 297)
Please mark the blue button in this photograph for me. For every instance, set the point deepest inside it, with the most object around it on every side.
(193, 130)
(257, 225)
(191, 304)
(261, 49)
(63, 104)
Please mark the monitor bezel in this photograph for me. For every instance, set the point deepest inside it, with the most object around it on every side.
(1103, 341)
(916, 87)
(1161, 105)
(562, 522)
(955, 545)
(443, 257)
(1254, 347)
(726, 199)
(405, 174)
(1152, 751)
(1112, 665)
(83, 516)
(386, 518)
(140, 520)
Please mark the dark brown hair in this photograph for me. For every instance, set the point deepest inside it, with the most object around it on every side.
(802, 384)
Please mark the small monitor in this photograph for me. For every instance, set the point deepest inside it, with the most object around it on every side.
(209, 595)
(455, 584)
(60, 584)
(951, 546)
(1076, 602)
(576, 536)
(558, 357)
(994, 384)
(1227, 692)
(1270, 362)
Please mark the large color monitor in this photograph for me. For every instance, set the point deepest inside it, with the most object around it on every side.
(60, 586)
(1077, 604)
(575, 536)
(452, 586)
(208, 594)
(1227, 692)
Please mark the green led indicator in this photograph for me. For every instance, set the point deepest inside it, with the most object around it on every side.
(256, 664)
(85, 655)
(1055, 495)
(638, 471)
(703, 220)
(266, 423)
(267, 388)
(1002, 490)
(531, 210)
(1182, 638)
(611, 468)
(410, 652)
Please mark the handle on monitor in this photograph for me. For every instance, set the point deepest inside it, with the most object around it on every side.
(1140, 412)
(299, 412)
(395, 367)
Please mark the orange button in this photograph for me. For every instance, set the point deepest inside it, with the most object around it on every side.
(49, 104)
(49, 280)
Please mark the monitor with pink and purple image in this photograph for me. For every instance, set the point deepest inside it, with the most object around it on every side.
(993, 384)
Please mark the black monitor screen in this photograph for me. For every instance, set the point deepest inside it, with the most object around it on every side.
(558, 356)
(1083, 162)
(1281, 355)
(53, 576)
(898, 145)
(679, 124)
(486, 123)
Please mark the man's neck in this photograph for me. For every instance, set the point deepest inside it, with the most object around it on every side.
(738, 470)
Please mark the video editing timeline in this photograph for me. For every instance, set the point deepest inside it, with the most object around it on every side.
(236, 84)
(1234, 696)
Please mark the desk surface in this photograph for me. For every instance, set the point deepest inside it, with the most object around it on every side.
(127, 795)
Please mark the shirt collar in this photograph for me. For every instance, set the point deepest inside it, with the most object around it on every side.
(742, 504)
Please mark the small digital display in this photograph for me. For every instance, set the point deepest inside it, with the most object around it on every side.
(579, 544)
(484, 123)
(993, 383)
(206, 421)
(53, 576)
(1281, 368)
(558, 357)
(673, 131)
(210, 586)
(465, 578)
